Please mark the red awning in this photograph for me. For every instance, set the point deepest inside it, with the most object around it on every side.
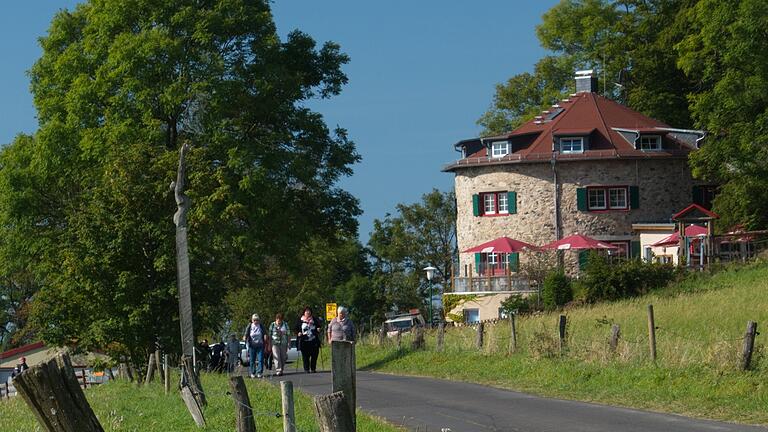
(578, 242)
(501, 245)
(674, 238)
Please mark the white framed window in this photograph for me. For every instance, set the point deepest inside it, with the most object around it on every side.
(489, 203)
(503, 199)
(650, 142)
(499, 148)
(608, 198)
(572, 145)
(617, 198)
(596, 198)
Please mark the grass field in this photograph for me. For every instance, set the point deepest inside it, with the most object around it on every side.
(701, 323)
(122, 406)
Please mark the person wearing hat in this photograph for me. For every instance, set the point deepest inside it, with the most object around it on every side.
(341, 327)
(255, 338)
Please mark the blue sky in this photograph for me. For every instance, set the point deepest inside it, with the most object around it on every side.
(421, 73)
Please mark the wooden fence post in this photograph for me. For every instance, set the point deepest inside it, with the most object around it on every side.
(150, 369)
(480, 334)
(382, 334)
(418, 338)
(243, 411)
(166, 374)
(343, 373)
(749, 344)
(651, 333)
(158, 365)
(512, 334)
(440, 336)
(191, 379)
(399, 339)
(289, 417)
(615, 332)
(332, 413)
(561, 326)
(52, 392)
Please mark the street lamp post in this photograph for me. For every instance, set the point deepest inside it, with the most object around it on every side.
(430, 274)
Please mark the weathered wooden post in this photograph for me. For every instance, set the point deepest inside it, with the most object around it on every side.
(418, 338)
(243, 410)
(166, 375)
(343, 372)
(52, 392)
(190, 379)
(332, 413)
(289, 417)
(440, 336)
(749, 344)
(399, 339)
(158, 365)
(480, 334)
(512, 334)
(651, 333)
(150, 369)
(561, 326)
(615, 332)
(382, 334)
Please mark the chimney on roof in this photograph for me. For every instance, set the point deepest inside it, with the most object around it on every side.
(586, 81)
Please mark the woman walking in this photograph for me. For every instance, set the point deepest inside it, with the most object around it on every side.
(341, 328)
(278, 332)
(308, 331)
(255, 337)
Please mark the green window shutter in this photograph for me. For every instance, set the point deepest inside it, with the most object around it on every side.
(581, 199)
(477, 263)
(634, 197)
(583, 259)
(635, 249)
(476, 205)
(512, 201)
(514, 262)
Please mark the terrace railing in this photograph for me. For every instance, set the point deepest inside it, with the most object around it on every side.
(483, 284)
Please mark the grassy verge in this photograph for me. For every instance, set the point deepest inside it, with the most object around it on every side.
(122, 406)
(701, 324)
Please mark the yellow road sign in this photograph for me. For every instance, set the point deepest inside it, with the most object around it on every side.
(330, 311)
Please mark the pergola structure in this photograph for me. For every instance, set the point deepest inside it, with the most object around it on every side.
(696, 214)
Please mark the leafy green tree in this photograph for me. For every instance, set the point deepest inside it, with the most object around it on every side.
(119, 87)
(724, 53)
(422, 234)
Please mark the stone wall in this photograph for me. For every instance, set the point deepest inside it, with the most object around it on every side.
(665, 187)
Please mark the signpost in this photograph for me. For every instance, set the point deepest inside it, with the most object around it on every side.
(330, 311)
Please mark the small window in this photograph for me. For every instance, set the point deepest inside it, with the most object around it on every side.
(471, 315)
(489, 203)
(650, 142)
(597, 199)
(617, 198)
(503, 199)
(499, 148)
(572, 145)
(608, 198)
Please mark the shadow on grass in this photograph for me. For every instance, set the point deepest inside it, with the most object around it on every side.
(392, 356)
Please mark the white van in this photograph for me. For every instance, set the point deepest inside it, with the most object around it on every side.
(403, 323)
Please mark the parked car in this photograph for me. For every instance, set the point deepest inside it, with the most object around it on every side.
(293, 353)
(403, 323)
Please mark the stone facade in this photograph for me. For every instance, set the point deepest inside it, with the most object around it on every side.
(665, 187)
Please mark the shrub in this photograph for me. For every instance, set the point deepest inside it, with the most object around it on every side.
(557, 290)
(602, 280)
(517, 304)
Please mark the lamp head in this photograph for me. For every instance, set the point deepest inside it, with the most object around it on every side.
(430, 272)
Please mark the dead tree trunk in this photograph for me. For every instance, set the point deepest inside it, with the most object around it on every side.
(332, 413)
(54, 395)
(190, 379)
(182, 257)
(243, 410)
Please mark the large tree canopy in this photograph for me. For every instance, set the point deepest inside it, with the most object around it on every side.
(119, 87)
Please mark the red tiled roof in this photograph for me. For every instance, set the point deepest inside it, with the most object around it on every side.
(583, 114)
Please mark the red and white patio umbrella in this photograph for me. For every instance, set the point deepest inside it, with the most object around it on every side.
(674, 238)
(577, 242)
(501, 245)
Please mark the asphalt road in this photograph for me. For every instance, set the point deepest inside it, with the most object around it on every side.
(424, 404)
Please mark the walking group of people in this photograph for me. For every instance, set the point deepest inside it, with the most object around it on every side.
(277, 336)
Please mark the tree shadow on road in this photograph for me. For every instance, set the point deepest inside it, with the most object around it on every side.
(392, 356)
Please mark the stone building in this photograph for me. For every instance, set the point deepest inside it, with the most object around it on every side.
(588, 165)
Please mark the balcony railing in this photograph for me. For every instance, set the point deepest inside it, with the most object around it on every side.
(500, 283)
